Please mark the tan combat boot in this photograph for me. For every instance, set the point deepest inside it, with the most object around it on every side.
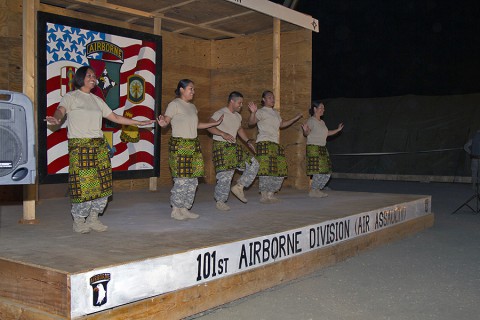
(177, 214)
(222, 206)
(272, 198)
(237, 190)
(93, 223)
(264, 198)
(189, 214)
(80, 226)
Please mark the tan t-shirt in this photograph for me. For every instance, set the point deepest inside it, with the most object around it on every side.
(184, 119)
(268, 123)
(230, 124)
(85, 112)
(319, 132)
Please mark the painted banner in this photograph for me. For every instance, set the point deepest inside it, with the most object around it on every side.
(109, 287)
(127, 66)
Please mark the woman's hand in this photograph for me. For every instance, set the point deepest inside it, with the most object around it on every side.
(252, 119)
(162, 122)
(228, 137)
(52, 120)
(252, 107)
(211, 124)
(146, 122)
(57, 117)
(339, 128)
(216, 123)
(306, 129)
(251, 145)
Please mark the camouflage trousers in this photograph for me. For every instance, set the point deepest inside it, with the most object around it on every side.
(269, 183)
(183, 192)
(319, 181)
(84, 209)
(224, 179)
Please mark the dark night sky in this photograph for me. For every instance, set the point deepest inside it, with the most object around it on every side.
(378, 48)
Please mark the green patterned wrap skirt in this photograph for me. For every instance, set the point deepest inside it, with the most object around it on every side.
(318, 160)
(185, 158)
(271, 157)
(90, 171)
(228, 156)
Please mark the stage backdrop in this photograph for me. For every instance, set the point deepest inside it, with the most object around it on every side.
(128, 68)
(404, 135)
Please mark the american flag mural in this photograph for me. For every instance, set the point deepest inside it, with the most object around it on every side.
(126, 73)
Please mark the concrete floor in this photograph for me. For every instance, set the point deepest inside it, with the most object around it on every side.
(434, 274)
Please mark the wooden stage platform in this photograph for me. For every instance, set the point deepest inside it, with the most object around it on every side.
(149, 266)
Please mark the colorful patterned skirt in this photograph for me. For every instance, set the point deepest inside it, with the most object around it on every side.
(228, 156)
(318, 160)
(90, 171)
(185, 158)
(271, 157)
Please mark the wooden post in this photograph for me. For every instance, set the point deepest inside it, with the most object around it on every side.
(276, 65)
(157, 29)
(30, 191)
(276, 62)
(157, 25)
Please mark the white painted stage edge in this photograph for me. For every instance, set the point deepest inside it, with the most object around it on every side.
(109, 287)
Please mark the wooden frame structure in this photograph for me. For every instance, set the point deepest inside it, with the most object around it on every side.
(198, 23)
(249, 46)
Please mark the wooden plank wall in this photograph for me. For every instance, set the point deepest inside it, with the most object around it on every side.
(245, 64)
(185, 58)
(296, 84)
(11, 67)
(216, 67)
(11, 45)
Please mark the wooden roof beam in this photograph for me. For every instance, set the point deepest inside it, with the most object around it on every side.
(181, 4)
(104, 4)
(278, 11)
(73, 7)
(217, 20)
(193, 25)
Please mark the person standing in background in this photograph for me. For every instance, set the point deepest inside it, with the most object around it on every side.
(472, 147)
